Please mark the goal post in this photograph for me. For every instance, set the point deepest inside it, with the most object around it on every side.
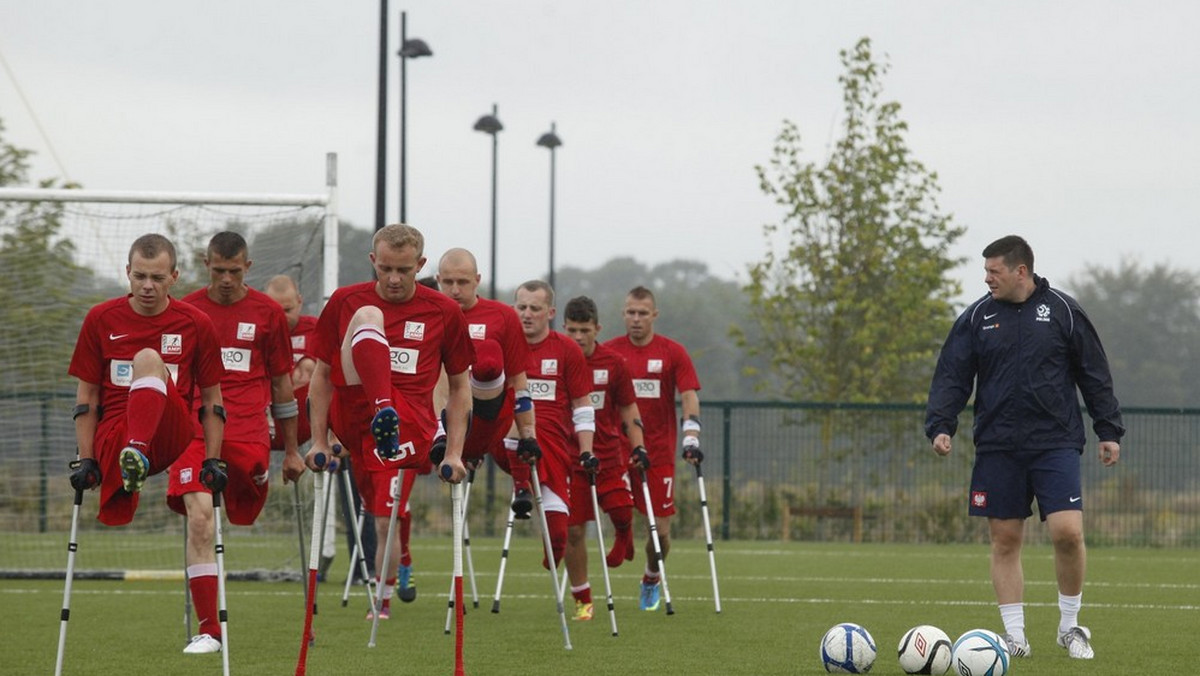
(64, 250)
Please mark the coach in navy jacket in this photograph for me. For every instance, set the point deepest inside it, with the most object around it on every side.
(1025, 349)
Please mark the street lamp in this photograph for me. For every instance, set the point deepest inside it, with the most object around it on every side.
(381, 130)
(409, 49)
(490, 124)
(551, 140)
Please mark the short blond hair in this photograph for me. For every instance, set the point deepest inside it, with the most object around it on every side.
(398, 236)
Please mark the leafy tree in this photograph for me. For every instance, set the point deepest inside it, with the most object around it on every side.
(1149, 320)
(855, 304)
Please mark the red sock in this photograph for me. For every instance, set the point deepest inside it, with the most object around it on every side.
(556, 523)
(372, 361)
(144, 411)
(405, 531)
(204, 597)
(584, 594)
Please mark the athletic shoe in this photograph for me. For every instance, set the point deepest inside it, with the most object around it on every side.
(134, 470)
(650, 596)
(405, 587)
(1015, 649)
(385, 427)
(202, 644)
(522, 504)
(385, 613)
(1077, 641)
(583, 611)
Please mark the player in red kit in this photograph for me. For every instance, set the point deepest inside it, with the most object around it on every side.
(616, 409)
(253, 335)
(500, 387)
(560, 384)
(139, 360)
(380, 347)
(282, 289)
(660, 367)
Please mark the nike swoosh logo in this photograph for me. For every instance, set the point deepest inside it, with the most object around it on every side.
(381, 401)
(987, 317)
(1076, 499)
(117, 336)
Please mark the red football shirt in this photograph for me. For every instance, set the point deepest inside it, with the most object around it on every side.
(253, 333)
(612, 389)
(659, 369)
(423, 333)
(302, 336)
(112, 333)
(557, 372)
(498, 321)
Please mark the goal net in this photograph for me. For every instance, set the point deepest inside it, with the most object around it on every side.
(62, 251)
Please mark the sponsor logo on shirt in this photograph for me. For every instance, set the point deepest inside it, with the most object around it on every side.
(414, 330)
(477, 331)
(646, 388)
(245, 331)
(654, 366)
(120, 372)
(599, 376)
(1043, 313)
(236, 359)
(404, 360)
(597, 398)
(989, 327)
(549, 367)
(185, 475)
(172, 343)
(542, 390)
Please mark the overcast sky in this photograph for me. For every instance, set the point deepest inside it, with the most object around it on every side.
(1072, 123)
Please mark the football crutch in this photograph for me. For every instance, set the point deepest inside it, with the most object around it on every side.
(458, 508)
(466, 549)
(222, 612)
(658, 556)
(298, 508)
(558, 595)
(187, 589)
(72, 546)
(708, 539)
(612, 613)
(508, 529)
(356, 557)
(377, 606)
(314, 563)
(467, 539)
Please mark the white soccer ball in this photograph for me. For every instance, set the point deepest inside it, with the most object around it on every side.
(925, 649)
(980, 652)
(847, 648)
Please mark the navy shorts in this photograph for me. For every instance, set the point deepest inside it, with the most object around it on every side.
(1005, 483)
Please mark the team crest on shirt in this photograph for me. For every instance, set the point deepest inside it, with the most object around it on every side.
(477, 331)
(414, 330)
(599, 376)
(549, 367)
(654, 366)
(979, 499)
(298, 342)
(185, 475)
(245, 331)
(171, 343)
(1043, 313)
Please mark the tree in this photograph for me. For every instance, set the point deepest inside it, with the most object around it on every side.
(856, 304)
(1149, 320)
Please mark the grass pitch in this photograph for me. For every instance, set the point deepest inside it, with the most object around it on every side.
(778, 599)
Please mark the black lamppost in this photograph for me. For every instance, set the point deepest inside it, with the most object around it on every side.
(381, 130)
(490, 124)
(551, 140)
(409, 49)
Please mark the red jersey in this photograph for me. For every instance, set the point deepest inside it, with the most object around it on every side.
(112, 333)
(612, 389)
(659, 369)
(253, 334)
(423, 333)
(493, 319)
(302, 337)
(557, 372)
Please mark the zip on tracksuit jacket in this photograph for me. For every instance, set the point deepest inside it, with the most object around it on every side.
(1025, 361)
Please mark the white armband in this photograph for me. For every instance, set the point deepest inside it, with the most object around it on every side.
(584, 418)
(691, 425)
(288, 409)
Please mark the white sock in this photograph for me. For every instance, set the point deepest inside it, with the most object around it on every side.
(1013, 617)
(1068, 606)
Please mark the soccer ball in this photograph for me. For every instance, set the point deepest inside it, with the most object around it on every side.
(925, 649)
(980, 652)
(847, 649)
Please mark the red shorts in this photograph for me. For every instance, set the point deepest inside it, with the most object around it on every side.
(175, 430)
(303, 431)
(484, 436)
(554, 469)
(246, 493)
(380, 488)
(612, 491)
(661, 480)
(350, 419)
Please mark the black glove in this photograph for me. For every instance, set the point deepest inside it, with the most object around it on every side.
(639, 458)
(213, 474)
(691, 450)
(437, 452)
(86, 474)
(589, 462)
(528, 450)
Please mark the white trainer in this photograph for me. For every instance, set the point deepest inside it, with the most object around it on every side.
(1016, 649)
(1077, 641)
(202, 644)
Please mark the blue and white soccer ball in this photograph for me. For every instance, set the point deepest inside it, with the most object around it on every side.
(980, 652)
(847, 648)
(925, 649)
